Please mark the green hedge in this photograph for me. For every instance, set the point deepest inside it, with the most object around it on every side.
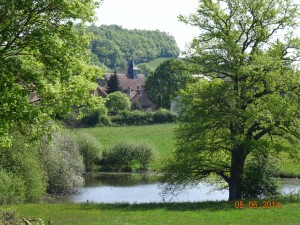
(137, 117)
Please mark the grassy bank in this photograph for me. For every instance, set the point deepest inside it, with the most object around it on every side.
(161, 139)
(164, 213)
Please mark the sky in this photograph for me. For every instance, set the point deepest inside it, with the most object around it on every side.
(153, 15)
(150, 15)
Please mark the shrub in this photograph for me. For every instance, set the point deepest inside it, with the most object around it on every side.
(21, 168)
(164, 116)
(90, 149)
(137, 117)
(12, 188)
(94, 117)
(127, 157)
(258, 177)
(63, 164)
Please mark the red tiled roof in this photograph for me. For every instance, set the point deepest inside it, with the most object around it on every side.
(126, 82)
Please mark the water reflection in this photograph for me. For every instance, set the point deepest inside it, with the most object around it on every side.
(142, 188)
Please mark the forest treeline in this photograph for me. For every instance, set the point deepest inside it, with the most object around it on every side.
(114, 46)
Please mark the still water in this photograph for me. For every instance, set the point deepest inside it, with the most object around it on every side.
(142, 188)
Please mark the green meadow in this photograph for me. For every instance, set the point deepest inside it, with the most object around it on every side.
(163, 213)
(161, 139)
(154, 63)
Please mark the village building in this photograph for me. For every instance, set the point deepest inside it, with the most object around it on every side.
(132, 84)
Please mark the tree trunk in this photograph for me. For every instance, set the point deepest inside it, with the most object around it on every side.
(236, 174)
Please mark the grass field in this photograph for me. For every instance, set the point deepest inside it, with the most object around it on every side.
(164, 213)
(152, 64)
(161, 139)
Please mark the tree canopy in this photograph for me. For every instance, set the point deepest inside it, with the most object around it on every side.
(251, 107)
(44, 62)
(164, 83)
(117, 102)
(116, 46)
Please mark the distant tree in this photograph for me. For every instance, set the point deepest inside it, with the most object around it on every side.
(113, 83)
(118, 102)
(144, 69)
(252, 113)
(164, 83)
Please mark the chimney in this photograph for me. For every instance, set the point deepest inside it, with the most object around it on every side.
(129, 91)
(138, 90)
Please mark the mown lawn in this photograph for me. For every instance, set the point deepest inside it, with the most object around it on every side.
(161, 139)
(164, 213)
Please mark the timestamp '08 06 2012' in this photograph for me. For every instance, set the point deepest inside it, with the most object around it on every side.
(257, 204)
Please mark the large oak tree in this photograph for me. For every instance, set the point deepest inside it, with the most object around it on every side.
(251, 108)
(44, 62)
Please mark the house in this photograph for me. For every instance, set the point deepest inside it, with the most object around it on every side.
(132, 84)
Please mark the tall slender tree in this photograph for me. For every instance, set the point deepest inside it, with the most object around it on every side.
(113, 83)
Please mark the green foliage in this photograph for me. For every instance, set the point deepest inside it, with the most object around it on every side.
(113, 83)
(90, 149)
(255, 107)
(163, 85)
(164, 116)
(23, 170)
(258, 177)
(12, 188)
(115, 46)
(94, 117)
(144, 69)
(138, 117)
(42, 54)
(63, 164)
(117, 102)
(126, 157)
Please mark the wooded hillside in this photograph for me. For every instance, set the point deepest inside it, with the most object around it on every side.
(114, 46)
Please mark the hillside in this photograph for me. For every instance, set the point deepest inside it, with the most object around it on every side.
(153, 64)
(114, 46)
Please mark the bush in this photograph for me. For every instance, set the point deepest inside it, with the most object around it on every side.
(164, 116)
(137, 117)
(258, 177)
(21, 168)
(12, 188)
(94, 117)
(63, 164)
(90, 149)
(127, 157)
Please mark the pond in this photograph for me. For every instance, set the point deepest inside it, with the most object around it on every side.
(143, 188)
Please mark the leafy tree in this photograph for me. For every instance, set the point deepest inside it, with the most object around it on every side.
(167, 79)
(117, 102)
(42, 54)
(116, 46)
(113, 83)
(144, 69)
(254, 110)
